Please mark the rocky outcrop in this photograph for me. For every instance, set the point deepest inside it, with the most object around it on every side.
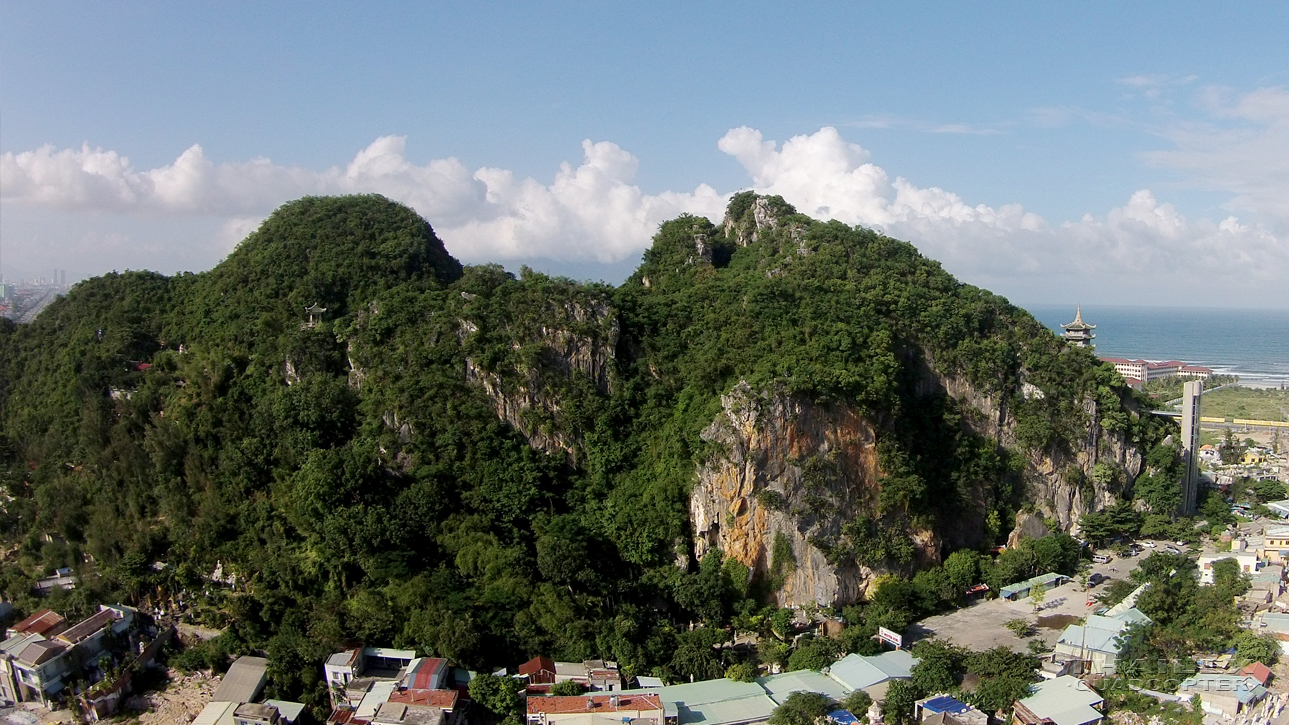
(786, 471)
(576, 339)
(1060, 484)
(747, 230)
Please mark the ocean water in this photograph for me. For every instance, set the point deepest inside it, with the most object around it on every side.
(1253, 344)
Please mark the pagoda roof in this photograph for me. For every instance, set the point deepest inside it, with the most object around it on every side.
(1078, 323)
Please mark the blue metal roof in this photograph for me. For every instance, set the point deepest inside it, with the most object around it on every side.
(843, 717)
(944, 703)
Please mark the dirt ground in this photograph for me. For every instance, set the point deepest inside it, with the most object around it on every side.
(980, 626)
(180, 702)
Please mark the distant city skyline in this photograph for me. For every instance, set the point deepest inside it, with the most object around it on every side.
(1138, 155)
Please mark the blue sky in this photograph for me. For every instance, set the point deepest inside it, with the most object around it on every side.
(1114, 153)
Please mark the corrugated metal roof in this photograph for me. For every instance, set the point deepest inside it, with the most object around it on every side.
(697, 693)
(728, 712)
(290, 711)
(858, 672)
(216, 713)
(780, 686)
(378, 695)
(243, 681)
(1066, 700)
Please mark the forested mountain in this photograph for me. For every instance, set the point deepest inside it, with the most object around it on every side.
(488, 467)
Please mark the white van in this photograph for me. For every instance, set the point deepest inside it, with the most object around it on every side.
(1101, 559)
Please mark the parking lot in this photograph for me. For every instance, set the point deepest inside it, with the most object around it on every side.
(980, 626)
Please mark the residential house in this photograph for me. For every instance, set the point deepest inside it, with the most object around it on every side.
(1225, 695)
(251, 713)
(445, 700)
(1257, 671)
(397, 713)
(288, 711)
(9, 649)
(1066, 700)
(575, 709)
(941, 709)
(1281, 509)
(426, 673)
(342, 667)
(1098, 641)
(1269, 579)
(38, 667)
(596, 675)
(352, 673)
(46, 623)
(1246, 560)
(1274, 624)
(539, 671)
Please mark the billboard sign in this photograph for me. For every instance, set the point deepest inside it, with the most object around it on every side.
(887, 635)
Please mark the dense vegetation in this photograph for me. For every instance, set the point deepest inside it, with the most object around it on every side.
(1188, 619)
(357, 479)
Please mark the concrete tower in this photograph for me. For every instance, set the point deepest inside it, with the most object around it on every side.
(1191, 392)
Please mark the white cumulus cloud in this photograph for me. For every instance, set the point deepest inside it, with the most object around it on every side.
(589, 211)
(592, 211)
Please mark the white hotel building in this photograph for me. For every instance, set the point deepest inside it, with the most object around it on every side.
(1140, 372)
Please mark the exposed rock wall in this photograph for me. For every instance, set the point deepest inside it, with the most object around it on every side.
(578, 338)
(787, 469)
(1047, 476)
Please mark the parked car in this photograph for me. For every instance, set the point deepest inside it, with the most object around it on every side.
(1147, 544)
(1172, 549)
(1181, 544)
(1096, 579)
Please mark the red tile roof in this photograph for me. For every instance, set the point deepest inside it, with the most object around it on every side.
(445, 699)
(39, 623)
(537, 664)
(1258, 671)
(598, 703)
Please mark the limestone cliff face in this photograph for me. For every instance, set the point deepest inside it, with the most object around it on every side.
(576, 339)
(786, 470)
(1059, 483)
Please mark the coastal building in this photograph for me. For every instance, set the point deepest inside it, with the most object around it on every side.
(1138, 372)
(1079, 333)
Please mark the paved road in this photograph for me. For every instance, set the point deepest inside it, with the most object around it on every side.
(34, 305)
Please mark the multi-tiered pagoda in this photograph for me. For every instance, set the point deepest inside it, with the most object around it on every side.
(1079, 333)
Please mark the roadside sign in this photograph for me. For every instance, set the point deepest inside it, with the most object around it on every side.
(887, 635)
